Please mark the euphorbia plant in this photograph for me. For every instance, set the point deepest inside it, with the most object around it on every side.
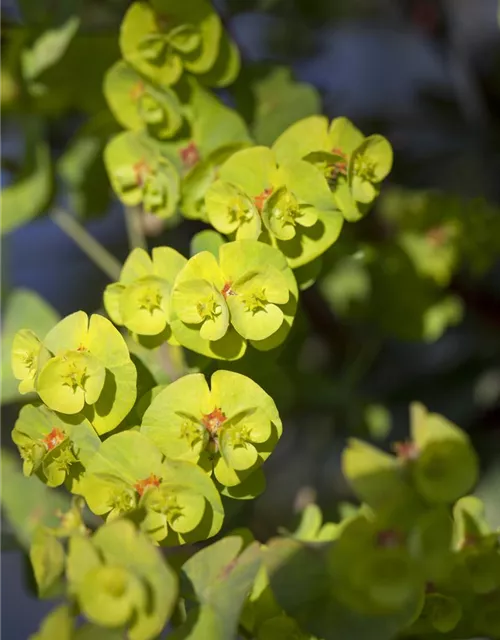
(153, 464)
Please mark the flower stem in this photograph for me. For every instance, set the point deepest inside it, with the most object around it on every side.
(99, 255)
(135, 231)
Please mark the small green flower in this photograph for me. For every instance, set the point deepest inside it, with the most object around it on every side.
(141, 174)
(139, 105)
(163, 38)
(446, 466)
(24, 359)
(55, 447)
(70, 380)
(87, 368)
(119, 580)
(141, 299)
(288, 206)
(250, 294)
(353, 165)
(230, 429)
(129, 472)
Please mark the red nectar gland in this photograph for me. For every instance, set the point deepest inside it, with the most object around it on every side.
(81, 347)
(189, 155)
(436, 236)
(213, 421)
(151, 481)
(141, 170)
(137, 90)
(227, 291)
(52, 439)
(389, 539)
(406, 450)
(261, 198)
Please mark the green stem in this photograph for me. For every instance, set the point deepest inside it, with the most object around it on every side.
(135, 232)
(87, 243)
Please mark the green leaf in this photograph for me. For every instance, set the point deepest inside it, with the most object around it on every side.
(26, 310)
(82, 166)
(31, 193)
(26, 502)
(214, 124)
(221, 581)
(59, 624)
(48, 561)
(49, 48)
(280, 101)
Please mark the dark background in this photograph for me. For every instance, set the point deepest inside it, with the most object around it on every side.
(424, 73)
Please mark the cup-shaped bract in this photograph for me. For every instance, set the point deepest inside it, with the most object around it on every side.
(373, 571)
(141, 174)
(120, 580)
(353, 165)
(290, 206)
(229, 428)
(217, 132)
(54, 446)
(441, 612)
(140, 300)
(232, 211)
(69, 381)
(88, 369)
(26, 348)
(138, 104)
(164, 37)
(445, 467)
(129, 473)
(249, 294)
(375, 476)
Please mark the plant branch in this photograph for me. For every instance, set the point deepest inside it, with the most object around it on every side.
(135, 231)
(99, 255)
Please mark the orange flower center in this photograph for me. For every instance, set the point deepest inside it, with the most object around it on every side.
(52, 439)
(261, 198)
(141, 170)
(212, 421)
(189, 155)
(151, 481)
(137, 90)
(389, 539)
(437, 236)
(227, 291)
(406, 450)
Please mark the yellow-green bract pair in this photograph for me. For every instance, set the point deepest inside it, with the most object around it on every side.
(210, 306)
(119, 580)
(162, 38)
(353, 165)
(296, 195)
(438, 466)
(229, 429)
(160, 475)
(81, 366)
